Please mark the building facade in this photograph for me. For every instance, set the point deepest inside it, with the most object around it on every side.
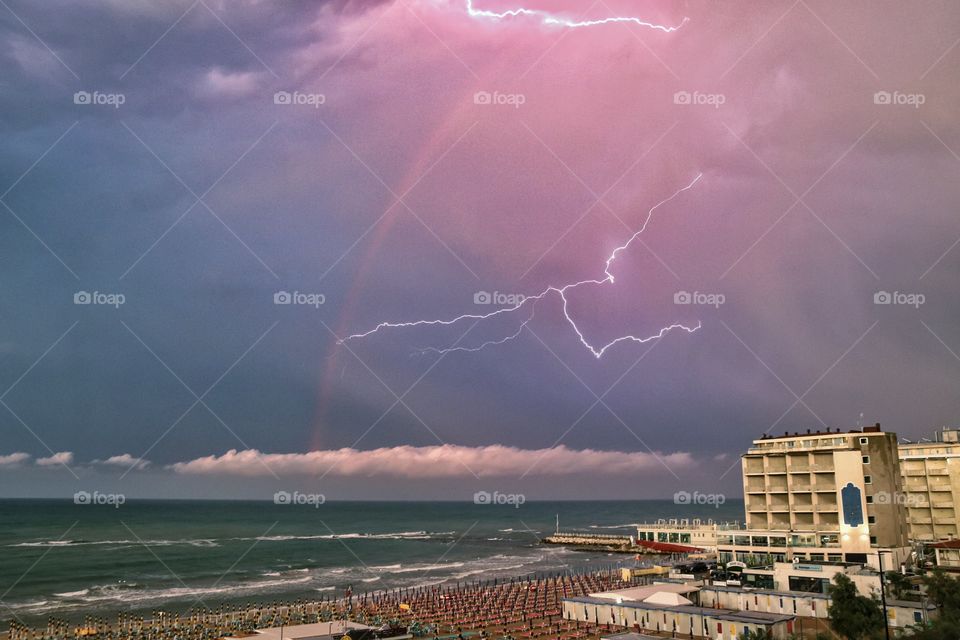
(824, 496)
(695, 532)
(931, 485)
(687, 621)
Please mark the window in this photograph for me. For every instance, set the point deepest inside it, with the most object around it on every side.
(917, 616)
(871, 520)
(873, 540)
(864, 440)
(867, 480)
(866, 459)
(869, 499)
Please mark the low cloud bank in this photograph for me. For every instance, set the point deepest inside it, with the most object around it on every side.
(442, 461)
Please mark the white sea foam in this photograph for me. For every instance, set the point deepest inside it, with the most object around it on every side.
(200, 542)
(400, 535)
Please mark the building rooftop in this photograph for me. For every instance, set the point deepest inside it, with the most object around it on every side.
(629, 635)
(753, 617)
(689, 524)
(315, 630)
(911, 604)
(946, 544)
(768, 592)
(636, 594)
(875, 429)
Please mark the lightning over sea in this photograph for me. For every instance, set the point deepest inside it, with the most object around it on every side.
(530, 302)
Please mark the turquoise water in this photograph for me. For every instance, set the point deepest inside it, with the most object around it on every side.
(67, 560)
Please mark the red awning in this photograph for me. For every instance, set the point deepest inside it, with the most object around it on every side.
(667, 547)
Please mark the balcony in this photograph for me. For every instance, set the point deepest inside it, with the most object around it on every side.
(944, 520)
(756, 485)
(937, 472)
(826, 507)
(753, 466)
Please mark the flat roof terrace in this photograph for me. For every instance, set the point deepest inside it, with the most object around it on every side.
(752, 617)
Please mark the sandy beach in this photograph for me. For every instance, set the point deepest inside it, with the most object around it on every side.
(517, 609)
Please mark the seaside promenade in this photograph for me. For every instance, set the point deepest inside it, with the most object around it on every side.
(514, 609)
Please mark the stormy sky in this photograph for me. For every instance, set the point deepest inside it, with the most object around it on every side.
(198, 200)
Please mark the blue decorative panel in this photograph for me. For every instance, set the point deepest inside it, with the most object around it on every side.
(852, 505)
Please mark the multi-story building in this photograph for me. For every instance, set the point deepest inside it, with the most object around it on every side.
(931, 485)
(698, 533)
(824, 496)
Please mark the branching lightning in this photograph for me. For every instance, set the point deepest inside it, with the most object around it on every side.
(561, 292)
(555, 20)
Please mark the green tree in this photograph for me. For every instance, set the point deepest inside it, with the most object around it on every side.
(852, 615)
(755, 635)
(936, 631)
(898, 585)
(944, 593)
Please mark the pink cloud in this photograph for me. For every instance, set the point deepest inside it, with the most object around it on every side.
(444, 461)
(13, 459)
(124, 460)
(60, 458)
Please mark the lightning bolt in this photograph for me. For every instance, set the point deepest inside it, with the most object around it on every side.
(555, 20)
(561, 292)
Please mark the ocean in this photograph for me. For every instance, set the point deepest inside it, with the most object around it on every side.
(66, 560)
